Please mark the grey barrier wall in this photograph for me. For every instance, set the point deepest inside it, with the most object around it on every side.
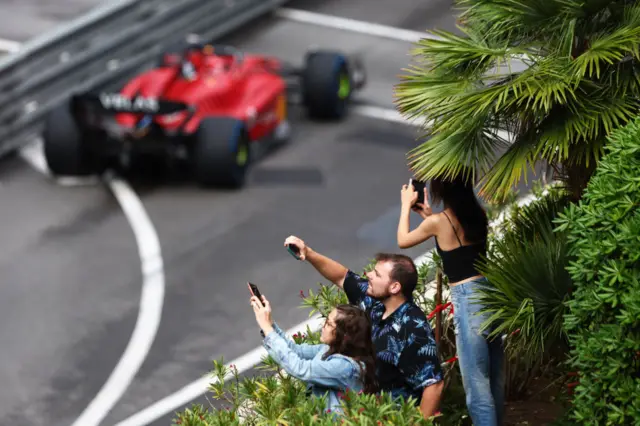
(101, 50)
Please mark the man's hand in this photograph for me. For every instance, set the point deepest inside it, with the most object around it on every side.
(298, 243)
(328, 268)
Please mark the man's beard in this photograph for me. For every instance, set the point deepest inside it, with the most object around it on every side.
(381, 298)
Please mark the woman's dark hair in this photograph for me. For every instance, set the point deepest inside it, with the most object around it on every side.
(458, 195)
(353, 339)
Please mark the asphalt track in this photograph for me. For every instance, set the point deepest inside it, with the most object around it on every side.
(69, 262)
(21, 20)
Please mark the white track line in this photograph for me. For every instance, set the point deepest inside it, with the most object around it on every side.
(385, 114)
(361, 27)
(199, 387)
(149, 313)
(152, 294)
(9, 46)
(393, 116)
(346, 24)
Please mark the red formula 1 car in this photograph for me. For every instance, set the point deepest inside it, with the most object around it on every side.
(205, 106)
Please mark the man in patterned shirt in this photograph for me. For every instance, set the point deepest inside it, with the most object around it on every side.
(407, 359)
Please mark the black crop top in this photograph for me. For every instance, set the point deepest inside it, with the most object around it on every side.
(459, 263)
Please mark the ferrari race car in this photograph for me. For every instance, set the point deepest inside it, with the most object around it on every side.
(206, 106)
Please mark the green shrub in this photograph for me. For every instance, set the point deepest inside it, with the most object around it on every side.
(603, 318)
(278, 399)
(528, 288)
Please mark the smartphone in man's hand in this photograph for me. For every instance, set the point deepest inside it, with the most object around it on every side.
(255, 292)
(294, 250)
(419, 187)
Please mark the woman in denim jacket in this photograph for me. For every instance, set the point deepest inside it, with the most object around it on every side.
(344, 360)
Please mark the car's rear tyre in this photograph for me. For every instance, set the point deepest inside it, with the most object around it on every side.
(221, 155)
(326, 85)
(65, 148)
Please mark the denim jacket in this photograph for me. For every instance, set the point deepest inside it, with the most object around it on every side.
(303, 361)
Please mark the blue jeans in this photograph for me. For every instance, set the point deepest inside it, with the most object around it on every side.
(481, 360)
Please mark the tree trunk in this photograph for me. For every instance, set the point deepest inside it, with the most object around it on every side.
(576, 177)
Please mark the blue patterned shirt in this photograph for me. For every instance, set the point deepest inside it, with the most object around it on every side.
(407, 359)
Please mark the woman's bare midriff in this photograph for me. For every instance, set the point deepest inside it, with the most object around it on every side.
(466, 280)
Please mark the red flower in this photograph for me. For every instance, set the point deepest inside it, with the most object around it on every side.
(302, 294)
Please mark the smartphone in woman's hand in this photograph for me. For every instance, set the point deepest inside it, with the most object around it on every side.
(419, 187)
(255, 292)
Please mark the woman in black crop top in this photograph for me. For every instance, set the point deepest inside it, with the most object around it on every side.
(460, 233)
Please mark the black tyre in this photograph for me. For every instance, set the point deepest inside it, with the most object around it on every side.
(326, 85)
(221, 154)
(64, 146)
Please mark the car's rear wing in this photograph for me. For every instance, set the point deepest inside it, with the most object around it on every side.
(117, 103)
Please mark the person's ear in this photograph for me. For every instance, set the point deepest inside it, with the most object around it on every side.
(395, 288)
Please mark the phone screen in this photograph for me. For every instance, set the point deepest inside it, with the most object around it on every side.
(419, 187)
(294, 250)
(255, 292)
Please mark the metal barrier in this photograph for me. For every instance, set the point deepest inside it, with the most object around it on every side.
(101, 50)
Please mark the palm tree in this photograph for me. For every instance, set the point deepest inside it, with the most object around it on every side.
(527, 81)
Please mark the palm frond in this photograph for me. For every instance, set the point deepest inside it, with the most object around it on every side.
(608, 49)
(620, 79)
(515, 19)
(511, 167)
(468, 54)
(420, 90)
(528, 280)
(535, 89)
(529, 222)
(457, 152)
(588, 120)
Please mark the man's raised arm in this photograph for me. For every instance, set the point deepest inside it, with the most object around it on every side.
(328, 268)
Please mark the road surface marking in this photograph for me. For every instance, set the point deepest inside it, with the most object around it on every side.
(394, 116)
(199, 387)
(153, 288)
(9, 46)
(362, 27)
(381, 113)
(149, 313)
(346, 24)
